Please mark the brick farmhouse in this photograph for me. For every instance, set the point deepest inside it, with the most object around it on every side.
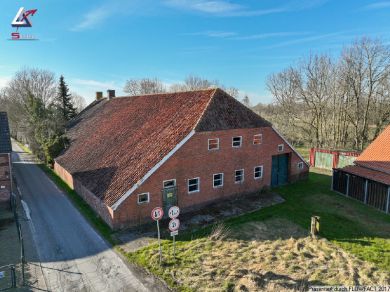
(128, 155)
(5, 161)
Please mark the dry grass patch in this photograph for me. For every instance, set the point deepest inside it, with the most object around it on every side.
(261, 256)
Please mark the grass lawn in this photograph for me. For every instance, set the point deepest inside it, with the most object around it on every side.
(357, 249)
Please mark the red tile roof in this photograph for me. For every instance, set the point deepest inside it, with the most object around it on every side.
(377, 155)
(114, 143)
(368, 173)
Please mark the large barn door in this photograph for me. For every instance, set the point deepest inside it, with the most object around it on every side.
(279, 175)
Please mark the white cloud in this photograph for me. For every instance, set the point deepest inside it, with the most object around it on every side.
(235, 36)
(213, 34)
(217, 7)
(306, 39)
(228, 8)
(4, 81)
(93, 18)
(88, 87)
(99, 14)
(212, 7)
(269, 35)
(377, 5)
(94, 83)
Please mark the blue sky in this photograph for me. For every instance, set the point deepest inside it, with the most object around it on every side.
(97, 45)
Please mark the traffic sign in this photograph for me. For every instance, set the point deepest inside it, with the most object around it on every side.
(174, 224)
(173, 233)
(157, 213)
(173, 212)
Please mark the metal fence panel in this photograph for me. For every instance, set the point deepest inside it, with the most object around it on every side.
(324, 160)
(345, 160)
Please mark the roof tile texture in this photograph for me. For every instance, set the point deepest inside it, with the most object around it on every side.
(368, 173)
(114, 143)
(377, 155)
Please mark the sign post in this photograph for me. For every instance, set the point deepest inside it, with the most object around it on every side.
(174, 225)
(157, 214)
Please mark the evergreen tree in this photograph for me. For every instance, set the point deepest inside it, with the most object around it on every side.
(65, 103)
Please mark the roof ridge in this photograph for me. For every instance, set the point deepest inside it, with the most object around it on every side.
(166, 93)
(368, 165)
(205, 108)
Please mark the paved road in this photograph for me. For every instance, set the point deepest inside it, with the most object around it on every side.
(73, 256)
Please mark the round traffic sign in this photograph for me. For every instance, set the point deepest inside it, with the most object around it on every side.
(174, 224)
(157, 213)
(173, 212)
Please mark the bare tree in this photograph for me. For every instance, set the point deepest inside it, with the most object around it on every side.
(246, 101)
(336, 103)
(366, 69)
(144, 86)
(78, 101)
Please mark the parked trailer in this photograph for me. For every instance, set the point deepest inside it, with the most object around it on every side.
(329, 159)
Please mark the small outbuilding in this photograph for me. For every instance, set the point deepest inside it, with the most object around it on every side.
(128, 155)
(368, 180)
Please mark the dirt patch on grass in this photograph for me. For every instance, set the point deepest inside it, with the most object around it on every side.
(261, 256)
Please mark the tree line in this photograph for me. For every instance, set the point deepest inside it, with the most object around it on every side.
(191, 82)
(338, 102)
(38, 108)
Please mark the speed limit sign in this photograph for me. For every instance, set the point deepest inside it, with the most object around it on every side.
(174, 224)
(157, 213)
(173, 212)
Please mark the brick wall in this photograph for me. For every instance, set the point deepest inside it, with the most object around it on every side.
(195, 160)
(63, 174)
(104, 211)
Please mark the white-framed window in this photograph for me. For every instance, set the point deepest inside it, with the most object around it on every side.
(237, 141)
(257, 139)
(213, 144)
(143, 198)
(300, 165)
(193, 185)
(170, 183)
(258, 172)
(239, 176)
(217, 180)
(281, 147)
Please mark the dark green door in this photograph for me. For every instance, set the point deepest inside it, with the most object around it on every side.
(279, 173)
(169, 199)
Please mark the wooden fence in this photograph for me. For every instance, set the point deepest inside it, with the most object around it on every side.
(370, 192)
(329, 159)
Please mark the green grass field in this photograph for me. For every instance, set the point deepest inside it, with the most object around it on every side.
(355, 228)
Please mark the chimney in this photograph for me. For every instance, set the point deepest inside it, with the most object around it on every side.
(99, 95)
(110, 94)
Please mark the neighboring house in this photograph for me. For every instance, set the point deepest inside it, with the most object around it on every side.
(128, 155)
(5, 160)
(369, 179)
